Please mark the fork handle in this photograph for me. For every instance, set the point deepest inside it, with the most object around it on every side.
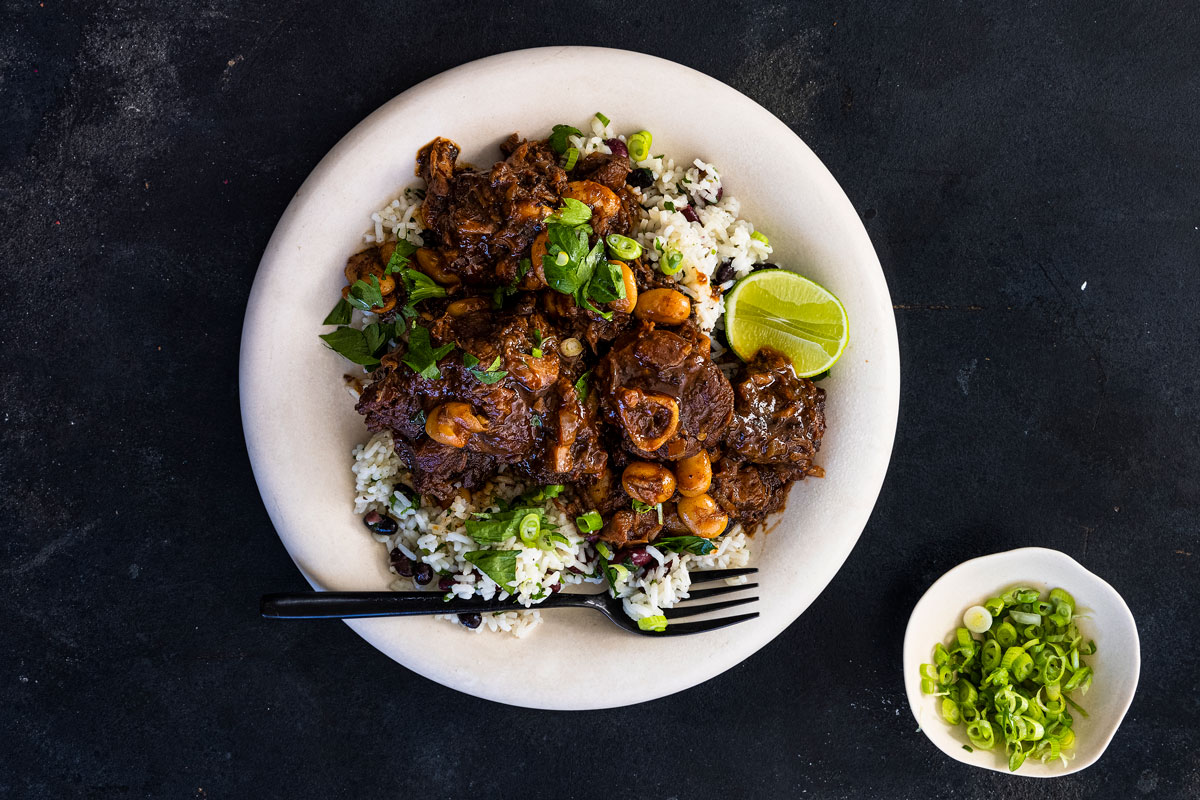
(356, 605)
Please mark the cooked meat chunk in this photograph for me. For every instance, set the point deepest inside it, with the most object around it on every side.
(663, 392)
(628, 527)
(778, 418)
(748, 492)
(487, 220)
(636, 405)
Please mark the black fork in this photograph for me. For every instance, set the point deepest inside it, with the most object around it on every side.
(357, 605)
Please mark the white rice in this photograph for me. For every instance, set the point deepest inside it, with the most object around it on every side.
(719, 235)
(436, 536)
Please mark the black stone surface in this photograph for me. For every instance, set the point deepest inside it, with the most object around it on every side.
(1001, 157)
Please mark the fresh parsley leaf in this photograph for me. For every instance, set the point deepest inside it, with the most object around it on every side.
(366, 295)
(523, 267)
(641, 507)
(469, 360)
(352, 344)
(421, 355)
(576, 269)
(686, 544)
(420, 287)
(669, 206)
(340, 315)
(378, 334)
(499, 565)
(581, 386)
(656, 623)
(607, 283)
(558, 137)
(399, 259)
(572, 213)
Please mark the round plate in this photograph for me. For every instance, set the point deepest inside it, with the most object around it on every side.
(300, 423)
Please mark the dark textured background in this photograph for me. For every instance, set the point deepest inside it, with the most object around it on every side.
(1000, 159)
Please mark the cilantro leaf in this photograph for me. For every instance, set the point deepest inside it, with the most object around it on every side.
(351, 343)
(378, 334)
(366, 295)
(499, 565)
(686, 544)
(421, 355)
(340, 315)
(469, 360)
(399, 259)
(558, 137)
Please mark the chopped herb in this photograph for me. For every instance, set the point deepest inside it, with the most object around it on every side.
(340, 315)
(656, 623)
(523, 267)
(660, 155)
(641, 507)
(686, 544)
(469, 360)
(351, 343)
(558, 137)
(399, 259)
(671, 262)
(421, 355)
(607, 283)
(592, 521)
(668, 205)
(536, 420)
(420, 287)
(542, 494)
(581, 386)
(537, 343)
(498, 527)
(366, 295)
(490, 375)
(499, 565)
(572, 213)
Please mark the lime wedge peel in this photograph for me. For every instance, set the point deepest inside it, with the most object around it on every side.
(787, 312)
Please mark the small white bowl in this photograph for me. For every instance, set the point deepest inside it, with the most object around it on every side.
(1106, 619)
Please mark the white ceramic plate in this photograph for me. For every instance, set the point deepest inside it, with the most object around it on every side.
(1105, 619)
(300, 423)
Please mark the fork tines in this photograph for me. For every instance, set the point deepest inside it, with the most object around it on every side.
(704, 576)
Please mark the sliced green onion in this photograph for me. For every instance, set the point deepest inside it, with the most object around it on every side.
(622, 247)
(530, 527)
(978, 619)
(591, 521)
(1013, 683)
(760, 236)
(639, 145)
(671, 262)
(561, 259)
(603, 119)
(572, 157)
(655, 623)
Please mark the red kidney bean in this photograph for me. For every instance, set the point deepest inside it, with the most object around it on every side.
(640, 557)
(689, 214)
(555, 588)
(446, 583)
(422, 574)
(380, 523)
(471, 621)
(402, 563)
(618, 147)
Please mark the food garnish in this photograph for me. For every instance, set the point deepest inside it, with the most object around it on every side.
(1013, 684)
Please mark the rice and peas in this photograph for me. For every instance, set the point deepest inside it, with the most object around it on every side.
(689, 220)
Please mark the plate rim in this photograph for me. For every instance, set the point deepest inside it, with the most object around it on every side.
(369, 629)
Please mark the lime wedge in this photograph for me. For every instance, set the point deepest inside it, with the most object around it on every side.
(787, 312)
